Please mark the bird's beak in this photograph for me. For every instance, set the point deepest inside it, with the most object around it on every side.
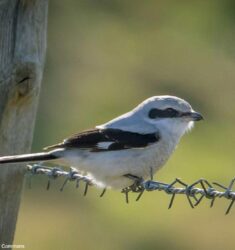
(195, 116)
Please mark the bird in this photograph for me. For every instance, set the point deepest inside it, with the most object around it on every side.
(129, 148)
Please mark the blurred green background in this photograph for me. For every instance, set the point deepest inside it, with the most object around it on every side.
(103, 58)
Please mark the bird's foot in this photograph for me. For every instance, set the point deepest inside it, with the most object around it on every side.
(137, 186)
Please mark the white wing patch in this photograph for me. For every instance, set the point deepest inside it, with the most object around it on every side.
(104, 145)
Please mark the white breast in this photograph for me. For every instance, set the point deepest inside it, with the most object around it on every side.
(108, 168)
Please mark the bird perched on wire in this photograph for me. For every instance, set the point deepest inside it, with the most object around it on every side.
(126, 149)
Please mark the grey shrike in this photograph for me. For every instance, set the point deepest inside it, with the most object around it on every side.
(125, 149)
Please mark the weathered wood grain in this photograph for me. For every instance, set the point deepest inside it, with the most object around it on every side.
(23, 25)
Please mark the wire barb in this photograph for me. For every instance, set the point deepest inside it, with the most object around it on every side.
(197, 191)
(103, 192)
(55, 172)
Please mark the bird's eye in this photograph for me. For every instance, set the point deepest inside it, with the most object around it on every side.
(166, 113)
(170, 112)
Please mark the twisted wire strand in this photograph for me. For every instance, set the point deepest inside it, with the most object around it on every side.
(194, 192)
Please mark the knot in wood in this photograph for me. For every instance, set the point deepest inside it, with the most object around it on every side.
(25, 80)
(24, 86)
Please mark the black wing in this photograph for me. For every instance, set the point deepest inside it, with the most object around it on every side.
(107, 140)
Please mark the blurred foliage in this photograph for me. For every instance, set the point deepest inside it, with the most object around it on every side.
(104, 57)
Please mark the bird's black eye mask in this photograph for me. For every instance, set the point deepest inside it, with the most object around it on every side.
(164, 113)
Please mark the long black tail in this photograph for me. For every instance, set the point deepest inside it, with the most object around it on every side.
(45, 156)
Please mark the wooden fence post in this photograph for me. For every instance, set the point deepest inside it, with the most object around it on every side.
(23, 26)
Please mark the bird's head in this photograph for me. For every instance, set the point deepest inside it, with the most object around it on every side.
(165, 113)
(169, 113)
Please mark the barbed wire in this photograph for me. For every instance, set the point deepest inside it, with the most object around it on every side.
(194, 192)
